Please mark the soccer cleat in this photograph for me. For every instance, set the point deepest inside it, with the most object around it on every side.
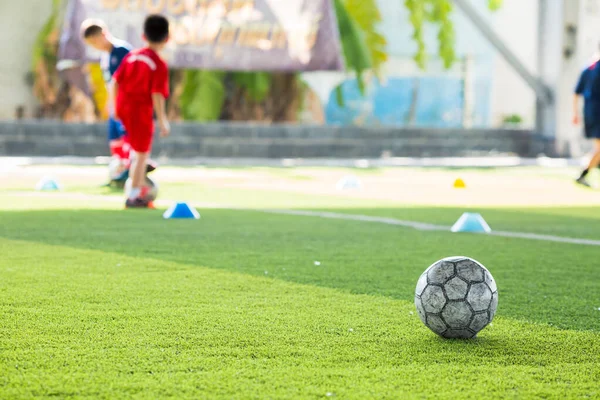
(151, 166)
(582, 181)
(138, 202)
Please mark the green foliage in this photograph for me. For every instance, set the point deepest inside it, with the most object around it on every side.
(256, 84)
(40, 48)
(513, 119)
(354, 46)
(441, 12)
(339, 96)
(203, 95)
(366, 16)
(417, 20)
(364, 49)
(437, 13)
(495, 5)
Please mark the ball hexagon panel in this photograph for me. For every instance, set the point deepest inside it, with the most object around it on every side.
(440, 272)
(470, 271)
(457, 315)
(479, 297)
(479, 322)
(456, 289)
(436, 324)
(433, 299)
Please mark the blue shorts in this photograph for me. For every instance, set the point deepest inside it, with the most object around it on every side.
(116, 130)
(592, 132)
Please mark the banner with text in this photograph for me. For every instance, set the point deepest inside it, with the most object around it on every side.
(238, 35)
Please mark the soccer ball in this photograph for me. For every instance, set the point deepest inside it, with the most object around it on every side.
(116, 167)
(456, 297)
(152, 193)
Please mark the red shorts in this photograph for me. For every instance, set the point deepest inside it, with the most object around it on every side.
(139, 124)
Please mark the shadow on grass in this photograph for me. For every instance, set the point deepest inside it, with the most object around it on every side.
(538, 281)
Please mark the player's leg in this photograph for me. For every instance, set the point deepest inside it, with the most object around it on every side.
(118, 151)
(137, 173)
(139, 133)
(116, 132)
(128, 155)
(136, 197)
(594, 162)
(593, 133)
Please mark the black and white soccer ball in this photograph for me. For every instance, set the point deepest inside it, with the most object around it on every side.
(456, 297)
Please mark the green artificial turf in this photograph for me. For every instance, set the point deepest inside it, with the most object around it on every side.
(99, 302)
(94, 323)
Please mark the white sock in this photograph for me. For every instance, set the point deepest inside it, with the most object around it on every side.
(134, 193)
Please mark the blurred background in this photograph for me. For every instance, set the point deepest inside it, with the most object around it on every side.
(419, 78)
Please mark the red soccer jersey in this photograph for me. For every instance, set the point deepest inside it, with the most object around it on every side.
(141, 74)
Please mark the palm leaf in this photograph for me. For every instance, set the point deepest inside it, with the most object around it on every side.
(439, 13)
(366, 15)
(203, 95)
(256, 84)
(39, 48)
(356, 52)
(354, 45)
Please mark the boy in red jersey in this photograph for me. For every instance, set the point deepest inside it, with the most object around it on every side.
(141, 87)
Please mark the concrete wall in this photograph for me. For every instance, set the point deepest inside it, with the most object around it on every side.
(20, 22)
(278, 141)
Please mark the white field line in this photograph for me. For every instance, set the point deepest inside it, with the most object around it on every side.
(421, 226)
(431, 227)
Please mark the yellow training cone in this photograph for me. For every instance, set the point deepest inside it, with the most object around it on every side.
(459, 184)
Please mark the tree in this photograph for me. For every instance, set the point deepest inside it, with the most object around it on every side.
(252, 96)
(43, 67)
(276, 97)
(57, 98)
(436, 12)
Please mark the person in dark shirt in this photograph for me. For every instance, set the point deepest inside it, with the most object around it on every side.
(588, 88)
(96, 35)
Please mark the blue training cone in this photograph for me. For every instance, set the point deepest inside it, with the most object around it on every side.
(48, 184)
(471, 222)
(181, 211)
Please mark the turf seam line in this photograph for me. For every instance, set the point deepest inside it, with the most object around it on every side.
(422, 226)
